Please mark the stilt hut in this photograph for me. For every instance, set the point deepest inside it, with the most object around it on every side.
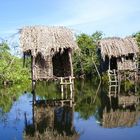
(50, 49)
(118, 53)
(119, 56)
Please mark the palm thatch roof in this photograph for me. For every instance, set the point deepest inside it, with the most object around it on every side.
(117, 47)
(46, 40)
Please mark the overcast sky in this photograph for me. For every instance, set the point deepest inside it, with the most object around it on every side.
(112, 17)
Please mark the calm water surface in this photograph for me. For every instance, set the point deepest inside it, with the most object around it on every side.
(91, 114)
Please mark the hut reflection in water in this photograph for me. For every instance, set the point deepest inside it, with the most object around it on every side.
(52, 120)
(121, 110)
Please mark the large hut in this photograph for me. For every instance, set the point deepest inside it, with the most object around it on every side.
(118, 54)
(50, 49)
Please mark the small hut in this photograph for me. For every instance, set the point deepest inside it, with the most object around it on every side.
(50, 49)
(118, 53)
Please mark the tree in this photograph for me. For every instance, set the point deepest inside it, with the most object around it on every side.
(137, 36)
(11, 69)
(84, 63)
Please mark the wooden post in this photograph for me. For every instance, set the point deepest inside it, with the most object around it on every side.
(109, 65)
(70, 80)
(33, 72)
(136, 79)
(62, 88)
(125, 81)
(109, 94)
(71, 66)
(32, 67)
(119, 82)
(109, 76)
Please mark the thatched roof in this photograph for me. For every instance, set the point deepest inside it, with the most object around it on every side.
(118, 47)
(46, 40)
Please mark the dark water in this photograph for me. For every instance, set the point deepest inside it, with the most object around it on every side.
(90, 115)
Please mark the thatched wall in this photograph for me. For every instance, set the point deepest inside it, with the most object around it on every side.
(58, 66)
(126, 65)
(128, 100)
(118, 47)
(120, 118)
(43, 68)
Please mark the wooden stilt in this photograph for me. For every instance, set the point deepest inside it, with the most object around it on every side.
(71, 87)
(119, 82)
(62, 88)
(33, 67)
(71, 67)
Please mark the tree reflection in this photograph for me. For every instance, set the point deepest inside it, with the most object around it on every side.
(86, 98)
(47, 90)
(10, 94)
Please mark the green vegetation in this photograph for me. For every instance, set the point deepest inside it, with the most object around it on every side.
(11, 67)
(137, 36)
(86, 61)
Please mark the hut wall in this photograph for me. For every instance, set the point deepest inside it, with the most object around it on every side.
(120, 118)
(61, 64)
(119, 63)
(43, 67)
(126, 65)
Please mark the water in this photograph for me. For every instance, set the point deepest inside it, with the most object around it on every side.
(91, 114)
